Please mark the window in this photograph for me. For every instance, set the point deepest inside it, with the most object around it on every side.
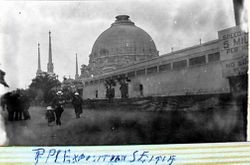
(131, 74)
(140, 72)
(214, 57)
(141, 89)
(164, 67)
(180, 64)
(96, 94)
(152, 70)
(197, 60)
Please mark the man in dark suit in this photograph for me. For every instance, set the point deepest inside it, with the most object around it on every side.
(57, 104)
(77, 103)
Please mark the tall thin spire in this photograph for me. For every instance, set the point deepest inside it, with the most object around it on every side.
(77, 75)
(39, 61)
(50, 66)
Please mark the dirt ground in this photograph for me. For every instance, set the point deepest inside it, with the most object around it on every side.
(95, 127)
(116, 127)
(35, 131)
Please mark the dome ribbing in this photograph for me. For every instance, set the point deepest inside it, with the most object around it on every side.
(121, 44)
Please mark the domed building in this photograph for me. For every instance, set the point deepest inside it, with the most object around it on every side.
(122, 44)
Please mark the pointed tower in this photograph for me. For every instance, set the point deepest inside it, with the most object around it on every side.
(39, 62)
(77, 75)
(50, 66)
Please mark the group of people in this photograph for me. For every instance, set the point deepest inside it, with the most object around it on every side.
(17, 104)
(55, 110)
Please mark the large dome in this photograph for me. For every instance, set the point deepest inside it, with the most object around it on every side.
(121, 44)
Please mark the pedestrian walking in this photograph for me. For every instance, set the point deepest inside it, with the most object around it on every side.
(50, 115)
(57, 104)
(77, 103)
(25, 104)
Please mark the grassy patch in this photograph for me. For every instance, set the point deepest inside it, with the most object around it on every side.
(205, 120)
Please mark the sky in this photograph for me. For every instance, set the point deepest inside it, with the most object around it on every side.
(76, 25)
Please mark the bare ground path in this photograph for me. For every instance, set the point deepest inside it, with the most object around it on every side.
(36, 131)
(95, 127)
(122, 127)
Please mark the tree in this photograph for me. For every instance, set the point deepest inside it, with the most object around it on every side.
(110, 83)
(123, 81)
(45, 84)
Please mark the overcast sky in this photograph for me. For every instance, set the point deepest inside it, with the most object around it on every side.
(76, 25)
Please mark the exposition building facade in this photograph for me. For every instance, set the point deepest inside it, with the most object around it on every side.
(124, 50)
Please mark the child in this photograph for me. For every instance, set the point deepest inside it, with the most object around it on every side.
(50, 115)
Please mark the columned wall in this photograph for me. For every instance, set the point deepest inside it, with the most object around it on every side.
(202, 79)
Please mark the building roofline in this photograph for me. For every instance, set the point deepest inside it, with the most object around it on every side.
(120, 70)
(168, 54)
(171, 53)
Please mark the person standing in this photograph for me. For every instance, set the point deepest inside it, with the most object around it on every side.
(57, 104)
(77, 103)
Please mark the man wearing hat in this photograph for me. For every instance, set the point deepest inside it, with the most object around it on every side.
(77, 103)
(57, 104)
